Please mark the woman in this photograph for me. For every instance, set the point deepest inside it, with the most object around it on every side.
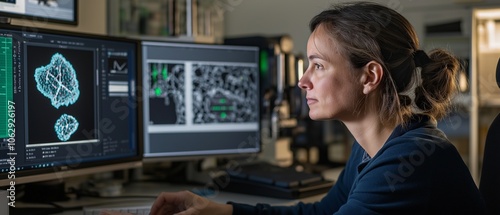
(366, 70)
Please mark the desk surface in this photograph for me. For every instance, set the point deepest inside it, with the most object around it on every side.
(144, 193)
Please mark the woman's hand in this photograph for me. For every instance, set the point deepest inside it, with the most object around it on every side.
(187, 203)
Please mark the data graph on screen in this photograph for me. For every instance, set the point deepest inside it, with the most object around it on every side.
(6, 87)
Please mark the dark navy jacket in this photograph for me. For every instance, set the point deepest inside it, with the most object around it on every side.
(417, 171)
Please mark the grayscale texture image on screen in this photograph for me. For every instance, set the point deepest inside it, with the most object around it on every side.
(200, 100)
(224, 94)
(167, 93)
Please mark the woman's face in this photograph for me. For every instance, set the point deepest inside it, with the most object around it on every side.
(332, 89)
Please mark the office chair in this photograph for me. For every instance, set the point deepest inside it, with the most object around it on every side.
(489, 185)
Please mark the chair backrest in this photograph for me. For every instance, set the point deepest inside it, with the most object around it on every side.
(489, 185)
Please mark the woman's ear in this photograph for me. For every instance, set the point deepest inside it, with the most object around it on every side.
(372, 76)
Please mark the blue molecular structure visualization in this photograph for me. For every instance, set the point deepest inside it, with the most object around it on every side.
(57, 81)
(65, 126)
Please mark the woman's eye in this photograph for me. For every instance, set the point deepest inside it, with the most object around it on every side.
(317, 66)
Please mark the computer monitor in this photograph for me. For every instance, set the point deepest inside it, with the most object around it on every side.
(68, 104)
(200, 100)
(56, 11)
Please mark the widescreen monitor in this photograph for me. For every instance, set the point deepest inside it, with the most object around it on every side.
(200, 100)
(68, 104)
(56, 11)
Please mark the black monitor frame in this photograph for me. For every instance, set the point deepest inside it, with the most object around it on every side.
(91, 167)
(184, 52)
(40, 18)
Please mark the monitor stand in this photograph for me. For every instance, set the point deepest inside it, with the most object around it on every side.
(193, 172)
(107, 184)
(55, 196)
(48, 191)
(41, 193)
(202, 171)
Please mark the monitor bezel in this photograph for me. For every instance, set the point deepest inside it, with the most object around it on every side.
(90, 167)
(153, 158)
(74, 22)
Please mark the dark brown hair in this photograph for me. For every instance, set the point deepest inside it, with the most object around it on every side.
(372, 32)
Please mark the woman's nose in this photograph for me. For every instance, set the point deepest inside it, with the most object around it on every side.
(304, 82)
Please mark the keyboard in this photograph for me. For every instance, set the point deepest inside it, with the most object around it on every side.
(265, 179)
(135, 210)
(34, 211)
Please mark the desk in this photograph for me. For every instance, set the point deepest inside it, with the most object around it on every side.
(149, 190)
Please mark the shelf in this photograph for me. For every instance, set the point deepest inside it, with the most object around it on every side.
(193, 39)
(194, 21)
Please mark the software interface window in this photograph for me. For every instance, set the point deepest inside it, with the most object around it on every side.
(67, 101)
(200, 100)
